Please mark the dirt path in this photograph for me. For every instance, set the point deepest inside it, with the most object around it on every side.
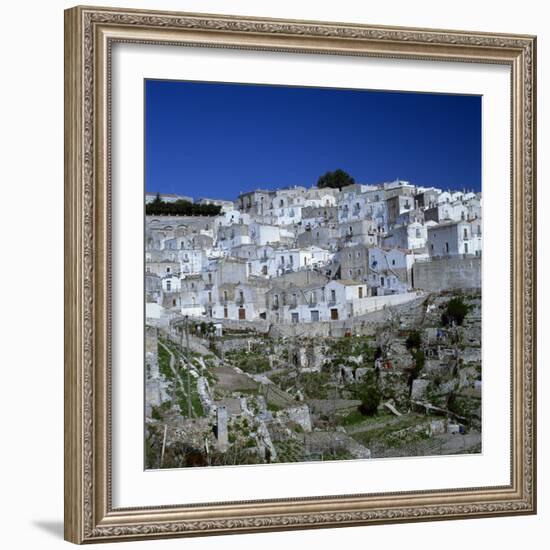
(177, 378)
(389, 421)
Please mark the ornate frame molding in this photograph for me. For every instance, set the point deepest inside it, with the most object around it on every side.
(89, 34)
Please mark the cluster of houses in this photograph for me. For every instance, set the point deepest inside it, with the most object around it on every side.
(301, 255)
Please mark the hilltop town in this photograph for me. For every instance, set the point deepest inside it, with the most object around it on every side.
(319, 323)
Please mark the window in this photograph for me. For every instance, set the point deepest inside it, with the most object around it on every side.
(418, 235)
(465, 248)
(210, 277)
(276, 300)
(225, 295)
(381, 281)
(291, 259)
(315, 316)
(360, 292)
(241, 295)
(393, 262)
(447, 248)
(147, 269)
(168, 270)
(333, 295)
(465, 232)
(210, 296)
(168, 286)
(295, 317)
(225, 312)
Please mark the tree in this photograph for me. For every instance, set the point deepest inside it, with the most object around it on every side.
(370, 400)
(335, 180)
(455, 312)
(414, 340)
(180, 208)
(369, 394)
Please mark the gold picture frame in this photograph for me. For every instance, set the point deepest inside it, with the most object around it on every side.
(89, 35)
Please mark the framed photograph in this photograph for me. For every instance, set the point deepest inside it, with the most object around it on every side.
(300, 274)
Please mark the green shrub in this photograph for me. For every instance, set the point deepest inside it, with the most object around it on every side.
(370, 398)
(455, 312)
(414, 340)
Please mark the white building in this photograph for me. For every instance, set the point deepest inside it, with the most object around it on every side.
(166, 197)
(455, 238)
(411, 236)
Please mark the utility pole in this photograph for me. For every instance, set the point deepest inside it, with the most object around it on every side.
(189, 405)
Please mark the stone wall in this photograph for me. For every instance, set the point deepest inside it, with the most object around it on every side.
(153, 390)
(448, 274)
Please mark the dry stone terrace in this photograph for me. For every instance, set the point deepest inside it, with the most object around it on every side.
(315, 324)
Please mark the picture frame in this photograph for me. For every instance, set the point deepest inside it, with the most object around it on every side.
(90, 34)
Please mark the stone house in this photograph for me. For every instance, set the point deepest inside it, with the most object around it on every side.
(455, 238)
(411, 236)
(389, 270)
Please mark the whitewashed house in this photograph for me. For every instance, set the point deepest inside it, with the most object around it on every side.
(454, 239)
(389, 270)
(411, 236)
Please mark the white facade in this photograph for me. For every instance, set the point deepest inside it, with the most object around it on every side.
(454, 238)
(150, 197)
(229, 217)
(171, 283)
(328, 254)
(410, 236)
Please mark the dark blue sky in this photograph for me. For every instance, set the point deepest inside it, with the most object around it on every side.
(217, 140)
